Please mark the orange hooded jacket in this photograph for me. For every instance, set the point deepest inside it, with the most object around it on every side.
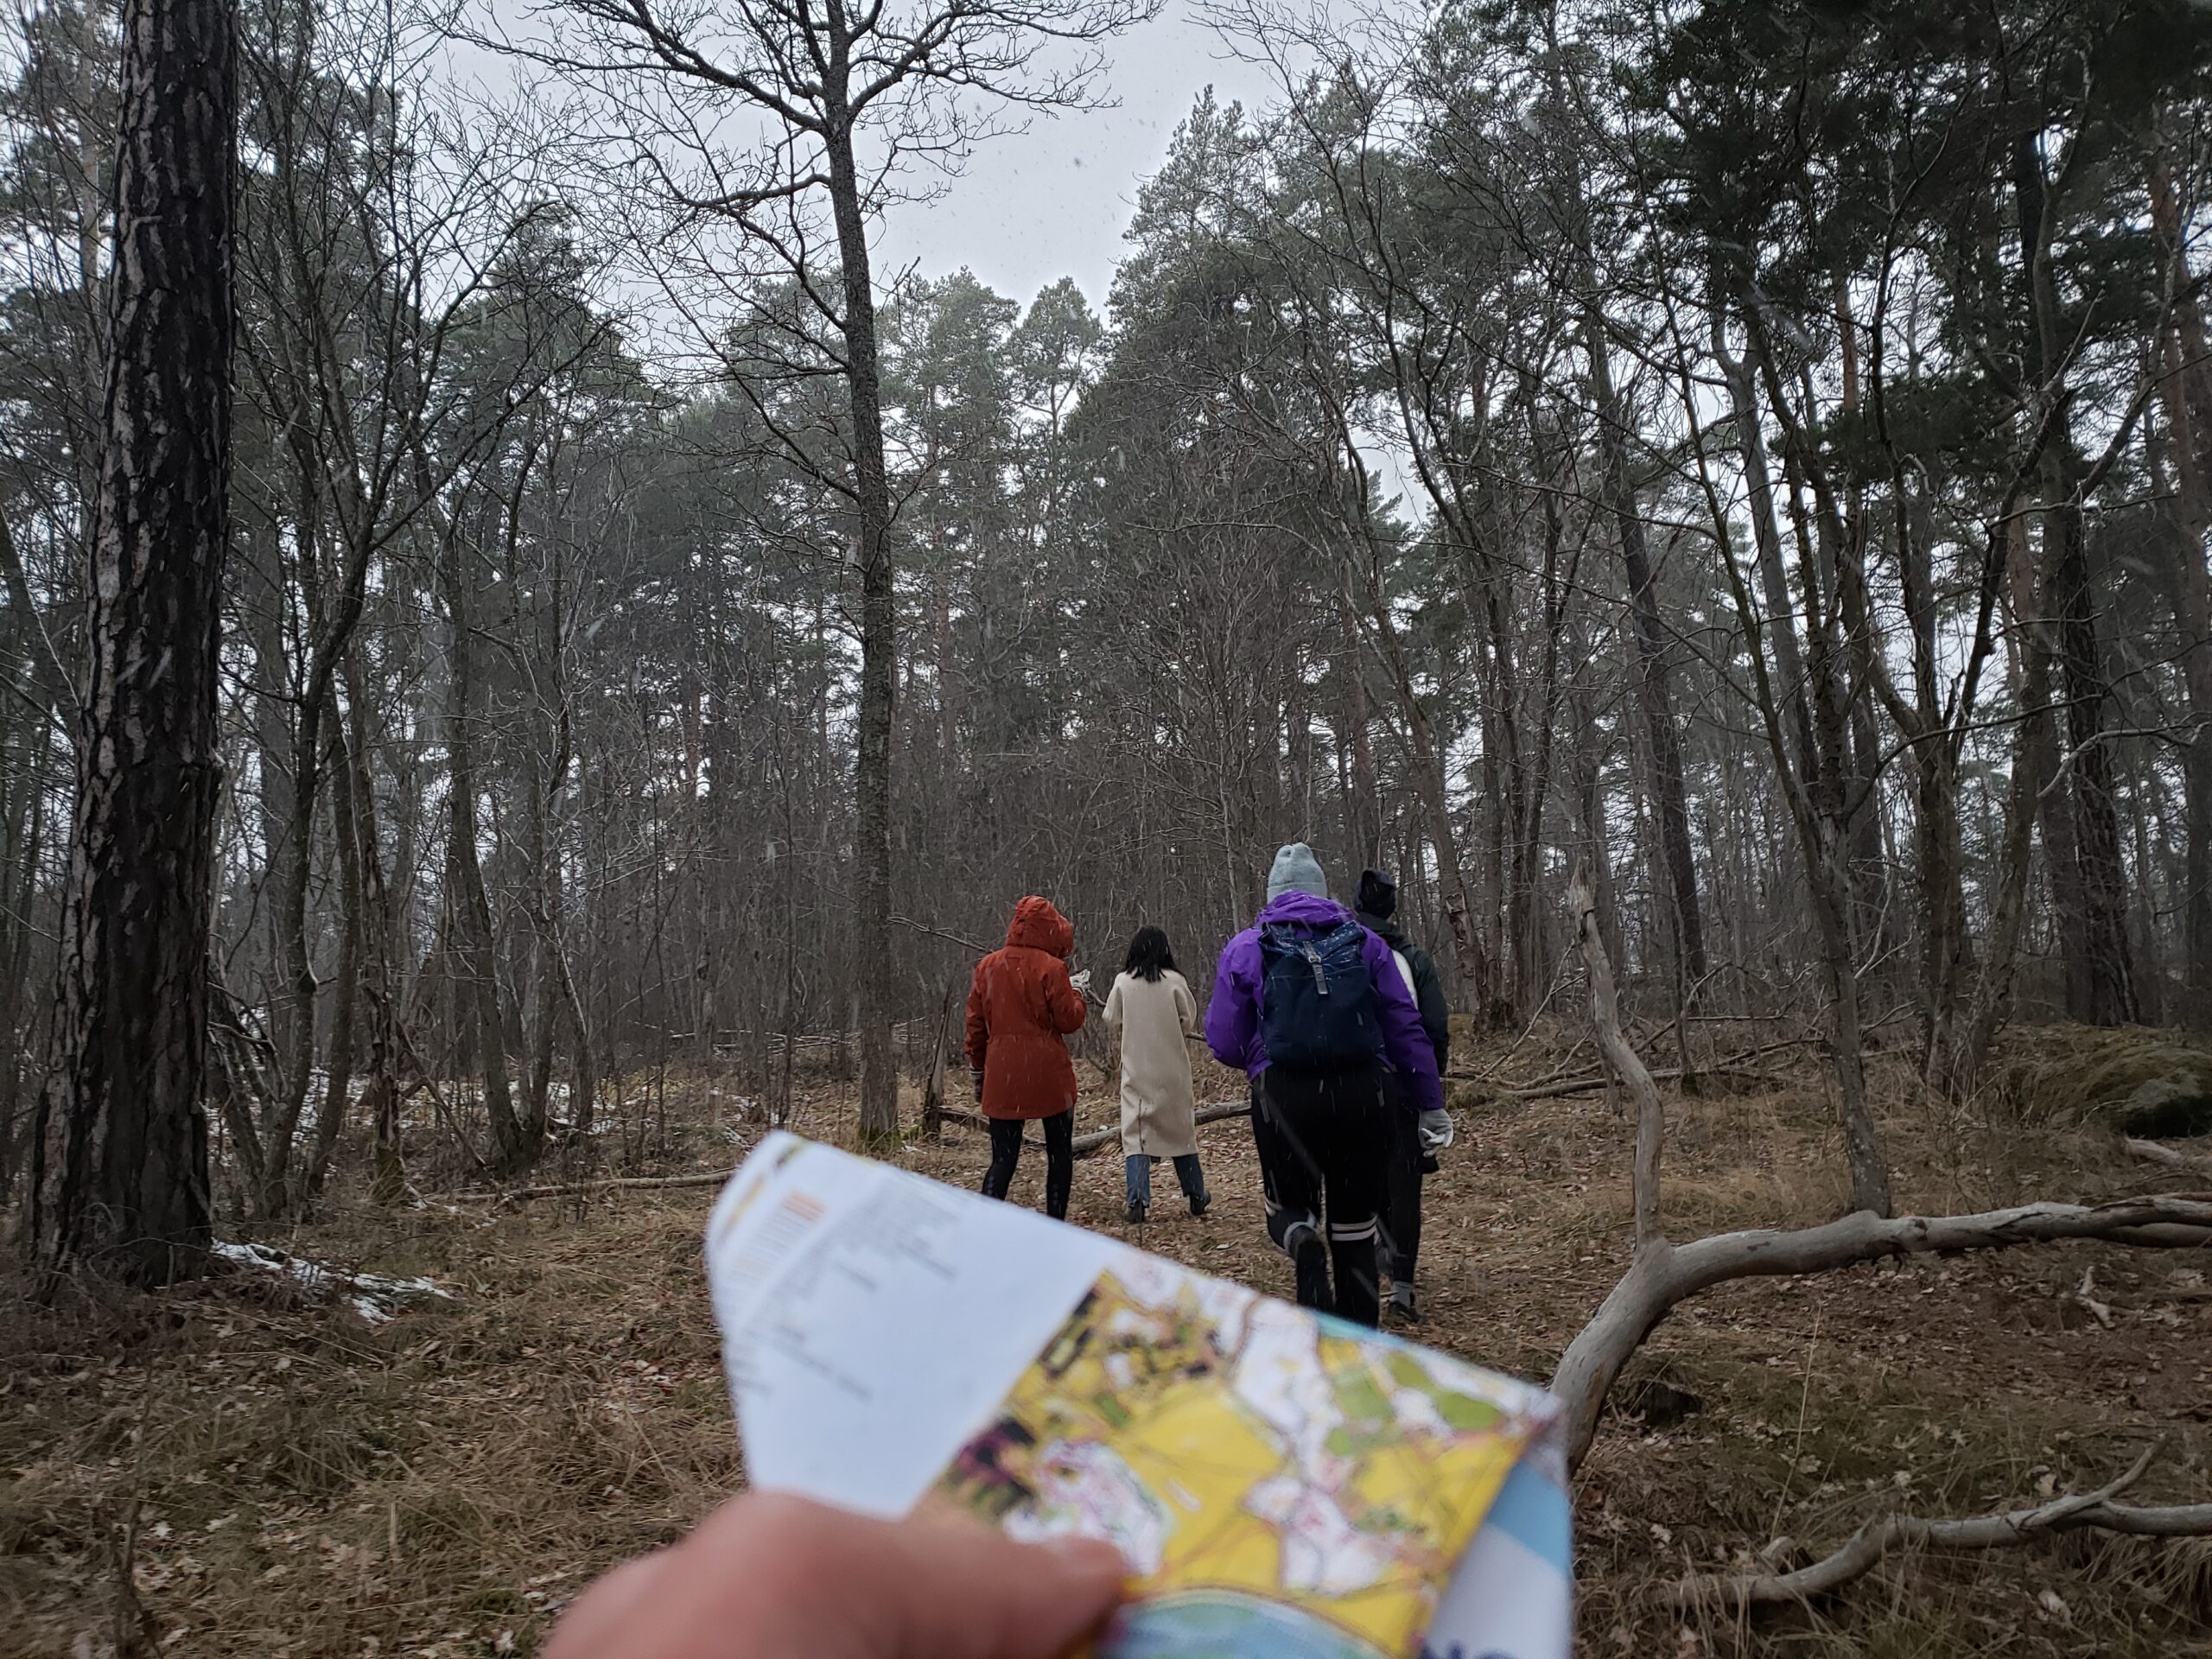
(1019, 1007)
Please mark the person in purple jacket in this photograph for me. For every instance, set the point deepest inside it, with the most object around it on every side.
(1311, 1005)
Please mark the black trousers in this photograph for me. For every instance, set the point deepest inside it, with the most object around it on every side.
(1059, 1160)
(1324, 1141)
(1401, 1188)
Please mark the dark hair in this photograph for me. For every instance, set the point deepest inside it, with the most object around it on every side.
(1149, 956)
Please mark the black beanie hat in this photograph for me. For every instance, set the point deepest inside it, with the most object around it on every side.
(1377, 895)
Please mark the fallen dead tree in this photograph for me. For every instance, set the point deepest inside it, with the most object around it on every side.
(376, 1297)
(1098, 1140)
(2153, 1151)
(1564, 1081)
(1872, 1543)
(604, 1183)
(1590, 1085)
(1663, 1274)
(1085, 1145)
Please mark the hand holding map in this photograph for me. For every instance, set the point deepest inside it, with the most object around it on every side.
(1280, 1483)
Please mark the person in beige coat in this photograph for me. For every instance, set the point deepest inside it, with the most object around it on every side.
(1152, 1011)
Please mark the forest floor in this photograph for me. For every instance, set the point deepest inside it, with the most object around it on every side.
(235, 1468)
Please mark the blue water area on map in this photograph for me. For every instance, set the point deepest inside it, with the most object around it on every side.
(1221, 1624)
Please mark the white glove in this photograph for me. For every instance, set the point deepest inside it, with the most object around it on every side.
(1435, 1130)
(1081, 981)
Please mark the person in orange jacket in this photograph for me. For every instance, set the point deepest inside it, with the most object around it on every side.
(1020, 1007)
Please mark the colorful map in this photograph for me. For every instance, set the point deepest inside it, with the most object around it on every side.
(1282, 1485)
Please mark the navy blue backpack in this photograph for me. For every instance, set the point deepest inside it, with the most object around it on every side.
(1317, 1002)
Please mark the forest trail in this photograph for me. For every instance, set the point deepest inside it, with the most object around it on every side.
(313, 1485)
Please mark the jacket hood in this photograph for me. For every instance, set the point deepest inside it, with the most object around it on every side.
(1296, 906)
(1376, 895)
(1383, 926)
(1036, 926)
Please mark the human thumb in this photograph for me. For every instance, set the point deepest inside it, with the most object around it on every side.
(949, 1586)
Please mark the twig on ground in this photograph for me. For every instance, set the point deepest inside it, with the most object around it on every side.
(1866, 1547)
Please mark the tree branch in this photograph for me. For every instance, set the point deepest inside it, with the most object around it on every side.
(1866, 1547)
(1605, 1018)
(1663, 1274)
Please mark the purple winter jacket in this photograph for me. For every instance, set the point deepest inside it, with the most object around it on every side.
(1233, 1024)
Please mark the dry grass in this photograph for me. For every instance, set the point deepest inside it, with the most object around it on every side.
(303, 1483)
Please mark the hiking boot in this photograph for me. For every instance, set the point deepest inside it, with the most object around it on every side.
(1201, 1204)
(1309, 1255)
(1402, 1307)
(1136, 1212)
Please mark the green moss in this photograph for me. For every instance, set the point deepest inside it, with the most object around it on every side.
(2137, 1082)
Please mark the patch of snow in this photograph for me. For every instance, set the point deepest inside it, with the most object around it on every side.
(374, 1296)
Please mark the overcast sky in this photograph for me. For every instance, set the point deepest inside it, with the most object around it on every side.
(1053, 202)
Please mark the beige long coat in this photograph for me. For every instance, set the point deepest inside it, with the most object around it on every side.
(1151, 1018)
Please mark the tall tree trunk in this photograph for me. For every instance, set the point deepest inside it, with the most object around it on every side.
(1678, 864)
(380, 1084)
(468, 909)
(1425, 760)
(26, 838)
(2186, 393)
(2107, 954)
(1364, 814)
(121, 1182)
(879, 1118)
(2192, 598)
(346, 996)
(2034, 760)
(2088, 882)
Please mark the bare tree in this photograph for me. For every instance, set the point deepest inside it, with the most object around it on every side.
(850, 96)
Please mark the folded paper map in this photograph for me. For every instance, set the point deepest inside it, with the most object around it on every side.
(1282, 1485)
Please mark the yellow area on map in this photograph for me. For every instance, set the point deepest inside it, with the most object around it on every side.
(1230, 1443)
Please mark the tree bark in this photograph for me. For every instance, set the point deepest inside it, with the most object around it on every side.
(1679, 864)
(2186, 391)
(468, 909)
(346, 1000)
(879, 1118)
(122, 1179)
(380, 1085)
(2106, 953)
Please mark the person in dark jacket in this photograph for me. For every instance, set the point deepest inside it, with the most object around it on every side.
(1318, 1122)
(1416, 1140)
(1020, 1008)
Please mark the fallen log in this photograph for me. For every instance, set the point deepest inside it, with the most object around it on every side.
(1098, 1140)
(2152, 1151)
(606, 1184)
(1085, 1145)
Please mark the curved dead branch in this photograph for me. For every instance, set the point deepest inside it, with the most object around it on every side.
(1663, 1274)
(1866, 1547)
(1621, 1055)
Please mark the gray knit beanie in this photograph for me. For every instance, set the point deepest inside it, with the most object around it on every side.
(1296, 870)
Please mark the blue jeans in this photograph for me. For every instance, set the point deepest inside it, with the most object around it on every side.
(1187, 1176)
